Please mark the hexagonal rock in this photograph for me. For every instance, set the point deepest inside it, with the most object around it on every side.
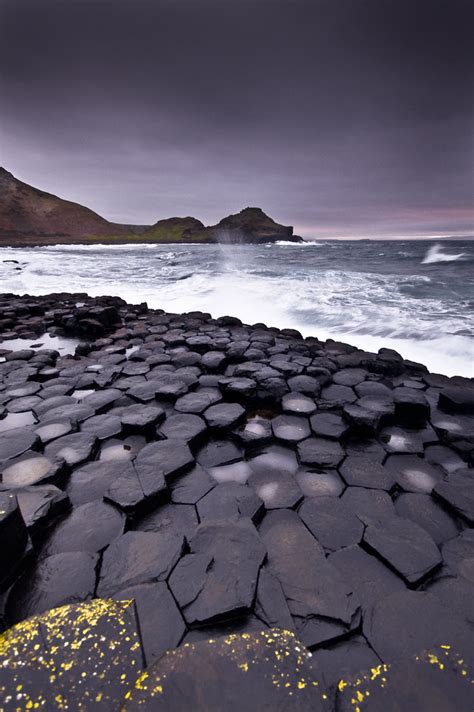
(319, 484)
(314, 589)
(328, 425)
(219, 452)
(13, 533)
(218, 578)
(161, 623)
(276, 489)
(320, 452)
(52, 431)
(192, 486)
(39, 503)
(365, 472)
(92, 481)
(102, 399)
(183, 426)
(290, 428)
(307, 385)
(256, 431)
(349, 376)
(413, 474)
(426, 623)
(428, 514)
(370, 579)
(298, 404)
(230, 501)
(53, 581)
(445, 458)
(213, 361)
(458, 555)
(407, 547)
(410, 405)
(457, 400)
(90, 527)
(398, 440)
(255, 671)
(74, 413)
(31, 468)
(345, 658)
(138, 557)
(15, 442)
(458, 492)
(178, 519)
(270, 605)
(369, 504)
(74, 448)
(170, 457)
(367, 414)
(224, 415)
(338, 396)
(103, 426)
(198, 401)
(331, 522)
(239, 388)
(455, 594)
(140, 417)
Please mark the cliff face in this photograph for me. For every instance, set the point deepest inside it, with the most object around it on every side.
(27, 212)
(29, 216)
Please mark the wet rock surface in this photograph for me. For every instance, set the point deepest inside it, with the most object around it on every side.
(230, 477)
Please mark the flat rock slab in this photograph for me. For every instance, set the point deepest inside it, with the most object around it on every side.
(230, 501)
(457, 400)
(331, 522)
(458, 493)
(219, 452)
(187, 427)
(89, 527)
(254, 671)
(405, 546)
(290, 428)
(314, 589)
(369, 504)
(276, 489)
(176, 519)
(170, 457)
(90, 482)
(343, 659)
(320, 452)
(413, 474)
(54, 581)
(58, 658)
(141, 417)
(218, 578)
(428, 514)
(73, 449)
(15, 442)
(298, 404)
(328, 425)
(31, 468)
(38, 504)
(192, 486)
(427, 623)
(103, 426)
(319, 484)
(366, 472)
(138, 557)
(161, 624)
(224, 415)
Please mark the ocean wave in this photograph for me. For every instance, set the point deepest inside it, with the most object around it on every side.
(435, 255)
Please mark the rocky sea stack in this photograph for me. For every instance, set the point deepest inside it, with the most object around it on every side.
(242, 485)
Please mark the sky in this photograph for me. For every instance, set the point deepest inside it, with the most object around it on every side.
(344, 118)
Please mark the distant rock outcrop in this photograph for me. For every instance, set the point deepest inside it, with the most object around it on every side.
(29, 216)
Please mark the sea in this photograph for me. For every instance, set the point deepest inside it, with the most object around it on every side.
(414, 296)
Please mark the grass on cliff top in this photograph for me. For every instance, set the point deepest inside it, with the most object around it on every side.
(157, 235)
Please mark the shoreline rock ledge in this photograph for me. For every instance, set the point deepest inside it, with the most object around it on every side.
(273, 495)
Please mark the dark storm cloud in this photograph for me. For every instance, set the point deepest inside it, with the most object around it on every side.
(338, 116)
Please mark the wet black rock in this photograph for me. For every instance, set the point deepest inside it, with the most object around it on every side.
(161, 624)
(103, 426)
(138, 557)
(328, 425)
(458, 493)
(170, 519)
(13, 532)
(53, 581)
(230, 501)
(365, 472)
(218, 578)
(73, 449)
(192, 486)
(407, 547)
(331, 522)
(457, 400)
(428, 514)
(183, 426)
(219, 452)
(320, 452)
(224, 415)
(168, 457)
(39, 504)
(15, 442)
(89, 527)
(290, 428)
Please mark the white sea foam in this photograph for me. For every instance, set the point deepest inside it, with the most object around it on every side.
(405, 312)
(435, 255)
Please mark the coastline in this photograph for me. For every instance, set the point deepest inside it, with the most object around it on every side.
(165, 441)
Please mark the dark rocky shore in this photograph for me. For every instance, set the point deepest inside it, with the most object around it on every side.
(230, 479)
